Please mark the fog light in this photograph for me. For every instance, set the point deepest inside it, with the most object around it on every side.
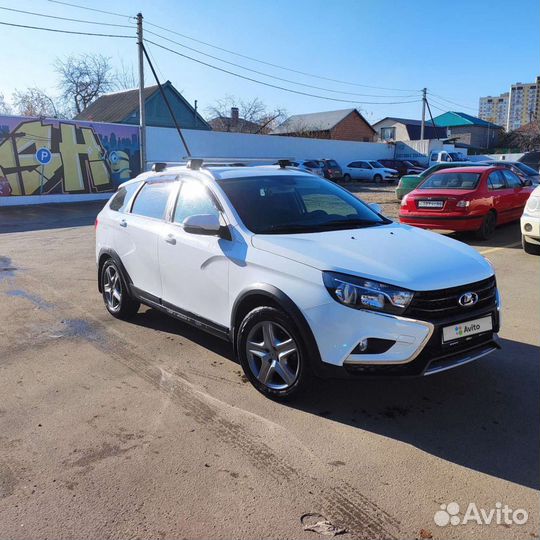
(362, 345)
(528, 227)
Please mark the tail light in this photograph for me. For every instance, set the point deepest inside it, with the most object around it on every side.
(463, 204)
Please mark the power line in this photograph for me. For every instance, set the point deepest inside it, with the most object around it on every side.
(91, 9)
(274, 85)
(273, 76)
(453, 102)
(64, 18)
(276, 65)
(64, 31)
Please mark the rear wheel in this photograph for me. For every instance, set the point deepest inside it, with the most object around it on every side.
(528, 247)
(346, 177)
(118, 301)
(272, 354)
(487, 228)
(377, 178)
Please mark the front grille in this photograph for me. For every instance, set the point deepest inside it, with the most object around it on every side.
(443, 303)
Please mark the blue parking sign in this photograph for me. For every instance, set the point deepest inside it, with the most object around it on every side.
(43, 155)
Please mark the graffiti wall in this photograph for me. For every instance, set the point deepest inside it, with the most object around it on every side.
(83, 157)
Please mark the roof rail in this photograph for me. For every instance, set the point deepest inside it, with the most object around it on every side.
(196, 163)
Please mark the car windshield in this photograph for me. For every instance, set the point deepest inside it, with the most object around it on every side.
(452, 180)
(529, 171)
(296, 204)
(376, 165)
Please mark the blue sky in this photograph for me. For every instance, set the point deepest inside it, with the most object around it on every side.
(459, 50)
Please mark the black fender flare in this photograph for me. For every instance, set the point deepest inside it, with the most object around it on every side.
(111, 254)
(289, 307)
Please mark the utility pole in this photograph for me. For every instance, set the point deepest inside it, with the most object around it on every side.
(424, 100)
(142, 119)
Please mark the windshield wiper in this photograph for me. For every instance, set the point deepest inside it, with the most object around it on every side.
(351, 223)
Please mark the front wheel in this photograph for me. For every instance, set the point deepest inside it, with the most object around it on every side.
(272, 354)
(346, 177)
(531, 249)
(486, 230)
(118, 301)
(377, 178)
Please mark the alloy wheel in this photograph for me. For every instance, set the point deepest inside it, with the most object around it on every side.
(273, 355)
(112, 288)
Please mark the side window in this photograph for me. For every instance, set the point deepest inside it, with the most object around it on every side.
(194, 199)
(121, 200)
(353, 165)
(152, 200)
(496, 181)
(511, 179)
(363, 165)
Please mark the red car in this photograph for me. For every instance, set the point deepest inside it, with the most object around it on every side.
(466, 199)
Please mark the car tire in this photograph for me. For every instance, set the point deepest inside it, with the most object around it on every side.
(528, 247)
(487, 229)
(272, 354)
(346, 178)
(118, 300)
(377, 178)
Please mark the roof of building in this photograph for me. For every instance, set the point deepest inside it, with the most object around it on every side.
(454, 119)
(226, 123)
(115, 107)
(321, 121)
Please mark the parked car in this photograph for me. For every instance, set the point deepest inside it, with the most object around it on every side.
(519, 168)
(417, 163)
(409, 182)
(466, 199)
(442, 156)
(530, 223)
(331, 169)
(296, 272)
(401, 166)
(370, 171)
(310, 165)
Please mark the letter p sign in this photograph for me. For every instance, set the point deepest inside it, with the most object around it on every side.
(43, 156)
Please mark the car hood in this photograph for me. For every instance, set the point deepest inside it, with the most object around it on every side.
(396, 254)
(390, 171)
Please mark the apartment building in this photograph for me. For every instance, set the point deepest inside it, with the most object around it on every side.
(512, 109)
(494, 109)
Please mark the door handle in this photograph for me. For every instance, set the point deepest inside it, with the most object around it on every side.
(123, 223)
(170, 239)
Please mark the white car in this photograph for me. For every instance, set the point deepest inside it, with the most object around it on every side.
(530, 223)
(310, 165)
(302, 277)
(370, 171)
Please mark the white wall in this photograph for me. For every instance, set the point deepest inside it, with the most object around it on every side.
(164, 145)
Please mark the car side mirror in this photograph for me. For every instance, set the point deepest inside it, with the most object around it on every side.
(527, 182)
(207, 224)
(376, 208)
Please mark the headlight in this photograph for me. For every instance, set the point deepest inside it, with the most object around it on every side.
(360, 293)
(533, 205)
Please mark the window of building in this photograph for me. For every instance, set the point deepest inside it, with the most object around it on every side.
(388, 133)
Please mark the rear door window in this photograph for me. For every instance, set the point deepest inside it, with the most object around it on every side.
(152, 200)
(123, 196)
(496, 181)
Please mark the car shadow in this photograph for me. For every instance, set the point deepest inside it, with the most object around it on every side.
(157, 320)
(507, 235)
(483, 416)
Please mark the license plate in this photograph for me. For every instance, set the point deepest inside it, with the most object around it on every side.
(469, 328)
(430, 204)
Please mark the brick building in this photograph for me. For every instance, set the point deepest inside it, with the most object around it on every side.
(342, 125)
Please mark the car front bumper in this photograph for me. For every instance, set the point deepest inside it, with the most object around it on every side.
(442, 222)
(532, 223)
(417, 350)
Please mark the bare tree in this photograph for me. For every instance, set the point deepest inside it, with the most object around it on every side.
(124, 78)
(5, 107)
(34, 102)
(524, 139)
(253, 116)
(84, 78)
